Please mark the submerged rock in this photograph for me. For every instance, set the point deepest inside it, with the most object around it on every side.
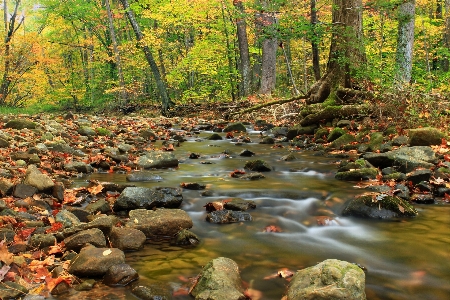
(120, 275)
(142, 197)
(228, 216)
(258, 165)
(157, 160)
(358, 174)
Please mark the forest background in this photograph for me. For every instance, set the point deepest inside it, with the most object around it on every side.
(89, 54)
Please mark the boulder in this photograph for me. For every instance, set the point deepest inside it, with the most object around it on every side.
(417, 176)
(186, 238)
(6, 187)
(157, 160)
(227, 216)
(331, 279)
(378, 206)
(239, 204)
(156, 291)
(127, 239)
(358, 174)
(343, 140)
(35, 178)
(86, 131)
(159, 222)
(141, 197)
(24, 191)
(120, 275)
(95, 261)
(375, 142)
(235, 127)
(426, 136)
(78, 166)
(143, 176)
(335, 133)
(20, 124)
(219, 280)
(67, 218)
(214, 137)
(40, 241)
(258, 165)
(92, 236)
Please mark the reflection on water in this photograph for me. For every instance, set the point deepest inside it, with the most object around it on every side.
(407, 259)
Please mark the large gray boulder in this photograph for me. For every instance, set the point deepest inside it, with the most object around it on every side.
(148, 198)
(127, 239)
(332, 279)
(157, 160)
(92, 236)
(20, 124)
(159, 222)
(95, 261)
(35, 178)
(219, 280)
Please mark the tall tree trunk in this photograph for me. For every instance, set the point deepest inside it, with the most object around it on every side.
(149, 56)
(347, 58)
(229, 56)
(244, 54)
(405, 42)
(112, 34)
(314, 41)
(445, 63)
(269, 53)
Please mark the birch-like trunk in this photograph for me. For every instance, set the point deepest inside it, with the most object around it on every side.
(405, 42)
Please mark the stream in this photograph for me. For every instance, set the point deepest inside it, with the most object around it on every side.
(404, 259)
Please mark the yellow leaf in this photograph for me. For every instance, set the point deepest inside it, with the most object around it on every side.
(107, 252)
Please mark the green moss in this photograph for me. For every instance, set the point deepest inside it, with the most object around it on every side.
(357, 175)
(103, 131)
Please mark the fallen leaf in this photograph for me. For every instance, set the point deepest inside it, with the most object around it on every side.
(213, 206)
(95, 189)
(5, 255)
(3, 271)
(401, 208)
(107, 252)
(272, 228)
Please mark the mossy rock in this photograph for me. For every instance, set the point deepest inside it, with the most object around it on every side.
(215, 137)
(335, 134)
(103, 131)
(20, 124)
(376, 139)
(320, 133)
(358, 174)
(426, 136)
(342, 141)
(379, 206)
(235, 127)
(397, 176)
(258, 165)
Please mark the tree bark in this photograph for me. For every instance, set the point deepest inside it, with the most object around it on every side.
(269, 53)
(314, 41)
(149, 56)
(347, 58)
(445, 63)
(244, 54)
(405, 42)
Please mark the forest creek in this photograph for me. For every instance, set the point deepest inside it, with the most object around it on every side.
(176, 193)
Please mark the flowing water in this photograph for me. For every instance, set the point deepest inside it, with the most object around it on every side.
(405, 259)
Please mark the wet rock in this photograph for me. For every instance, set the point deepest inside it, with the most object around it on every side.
(157, 160)
(235, 127)
(127, 239)
(159, 222)
(358, 174)
(61, 288)
(219, 280)
(422, 198)
(24, 191)
(58, 191)
(80, 213)
(6, 187)
(214, 137)
(246, 153)
(186, 238)
(102, 222)
(20, 124)
(79, 167)
(335, 133)
(227, 216)
(375, 142)
(402, 191)
(268, 140)
(143, 176)
(288, 157)
(258, 165)
(239, 204)
(35, 178)
(397, 176)
(141, 197)
(426, 136)
(86, 285)
(67, 218)
(120, 275)
(252, 176)
(419, 175)
(11, 290)
(95, 261)
(300, 130)
(59, 146)
(40, 241)
(92, 236)
(193, 186)
(153, 292)
(378, 206)
(331, 279)
(400, 140)
(148, 134)
(101, 205)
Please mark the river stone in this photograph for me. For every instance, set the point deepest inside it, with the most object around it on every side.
(120, 275)
(20, 124)
(101, 205)
(148, 134)
(156, 291)
(141, 197)
(59, 146)
(342, 141)
(4, 143)
(268, 140)
(186, 238)
(102, 222)
(35, 178)
(292, 132)
(252, 176)
(67, 218)
(41, 241)
(417, 176)
(95, 261)
(426, 136)
(376, 139)
(239, 204)
(6, 187)
(143, 176)
(331, 279)
(235, 127)
(86, 131)
(227, 216)
(159, 222)
(92, 236)
(358, 174)
(11, 290)
(219, 280)
(78, 166)
(24, 190)
(246, 153)
(7, 234)
(378, 206)
(157, 160)
(335, 133)
(127, 239)
(258, 165)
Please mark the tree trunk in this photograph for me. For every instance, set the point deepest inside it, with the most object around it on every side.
(405, 42)
(445, 63)
(347, 57)
(229, 56)
(244, 54)
(112, 34)
(149, 56)
(269, 53)
(314, 41)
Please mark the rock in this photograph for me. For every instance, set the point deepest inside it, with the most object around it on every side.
(143, 176)
(342, 141)
(58, 191)
(219, 280)
(127, 239)
(214, 137)
(153, 292)
(67, 218)
(61, 288)
(101, 205)
(86, 131)
(239, 204)
(400, 140)
(417, 176)
(193, 186)
(7, 234)
(186, 238)
(378, 206)
(95, 261)
(60, 146)
(235, 127)
(148, 134)
(376, 139)
(227, 216)
(358, 174)
(92, 236)
(20, 124)
(288, 157)
(80, 213)
(120, 275)
(78, 166)
(426, 136)
(268, 140)
(159, 222)
(246, 153)
(157, 160)
(252, 176)
(299, 130)
(422, 198)
(335, 133)
(11, 290)
(141, 197)
(35, 178)
(102, 222)
(4, 143)
(258, 165)
(6, 187)
(41, 241)
(24, 191)
(331, 279)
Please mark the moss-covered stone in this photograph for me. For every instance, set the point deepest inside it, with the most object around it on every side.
(258, 165)
(376, 139)
(321, 133)
(358, 174)
(20, 124)
(426, 136)
(103, 131)
(215, 137)
(397, 176)
(335, 133)
(342, 140)
(235, 127)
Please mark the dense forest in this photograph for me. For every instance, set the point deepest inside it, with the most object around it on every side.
(95, 53)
